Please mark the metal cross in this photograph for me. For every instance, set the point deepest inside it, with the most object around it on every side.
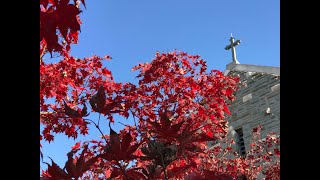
(232, 45)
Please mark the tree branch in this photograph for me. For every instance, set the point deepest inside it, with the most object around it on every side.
(162, 161)
(114, 156)
(42, 53)
(99, 120)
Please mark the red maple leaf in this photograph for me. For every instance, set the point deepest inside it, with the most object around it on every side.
(76, 146)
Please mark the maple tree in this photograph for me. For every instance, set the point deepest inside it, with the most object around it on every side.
(177, 107)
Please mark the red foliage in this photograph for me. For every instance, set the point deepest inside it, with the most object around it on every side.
(177, 107)
(58, 15)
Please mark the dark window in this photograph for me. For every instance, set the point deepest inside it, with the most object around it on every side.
(212, 143)
(242, 149)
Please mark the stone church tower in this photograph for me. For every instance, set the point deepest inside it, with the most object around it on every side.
(257, 103)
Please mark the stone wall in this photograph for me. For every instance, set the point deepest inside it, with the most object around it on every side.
(257, 104)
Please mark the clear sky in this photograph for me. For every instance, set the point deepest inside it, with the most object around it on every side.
(132, 31)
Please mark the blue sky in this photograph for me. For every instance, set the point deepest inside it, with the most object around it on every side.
(132, 31)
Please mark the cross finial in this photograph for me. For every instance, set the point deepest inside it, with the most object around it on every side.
(232, 46)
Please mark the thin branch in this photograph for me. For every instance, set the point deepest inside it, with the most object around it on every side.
(42, 53)
(114, 156)
(54, 56)
(123, 124)
(162, 161)
(134, 119)
(163, 165)
(99, 130)
(99, 120)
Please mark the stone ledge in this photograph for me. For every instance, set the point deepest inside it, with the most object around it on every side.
(252, 68)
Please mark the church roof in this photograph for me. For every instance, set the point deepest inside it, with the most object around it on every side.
(236, 66)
